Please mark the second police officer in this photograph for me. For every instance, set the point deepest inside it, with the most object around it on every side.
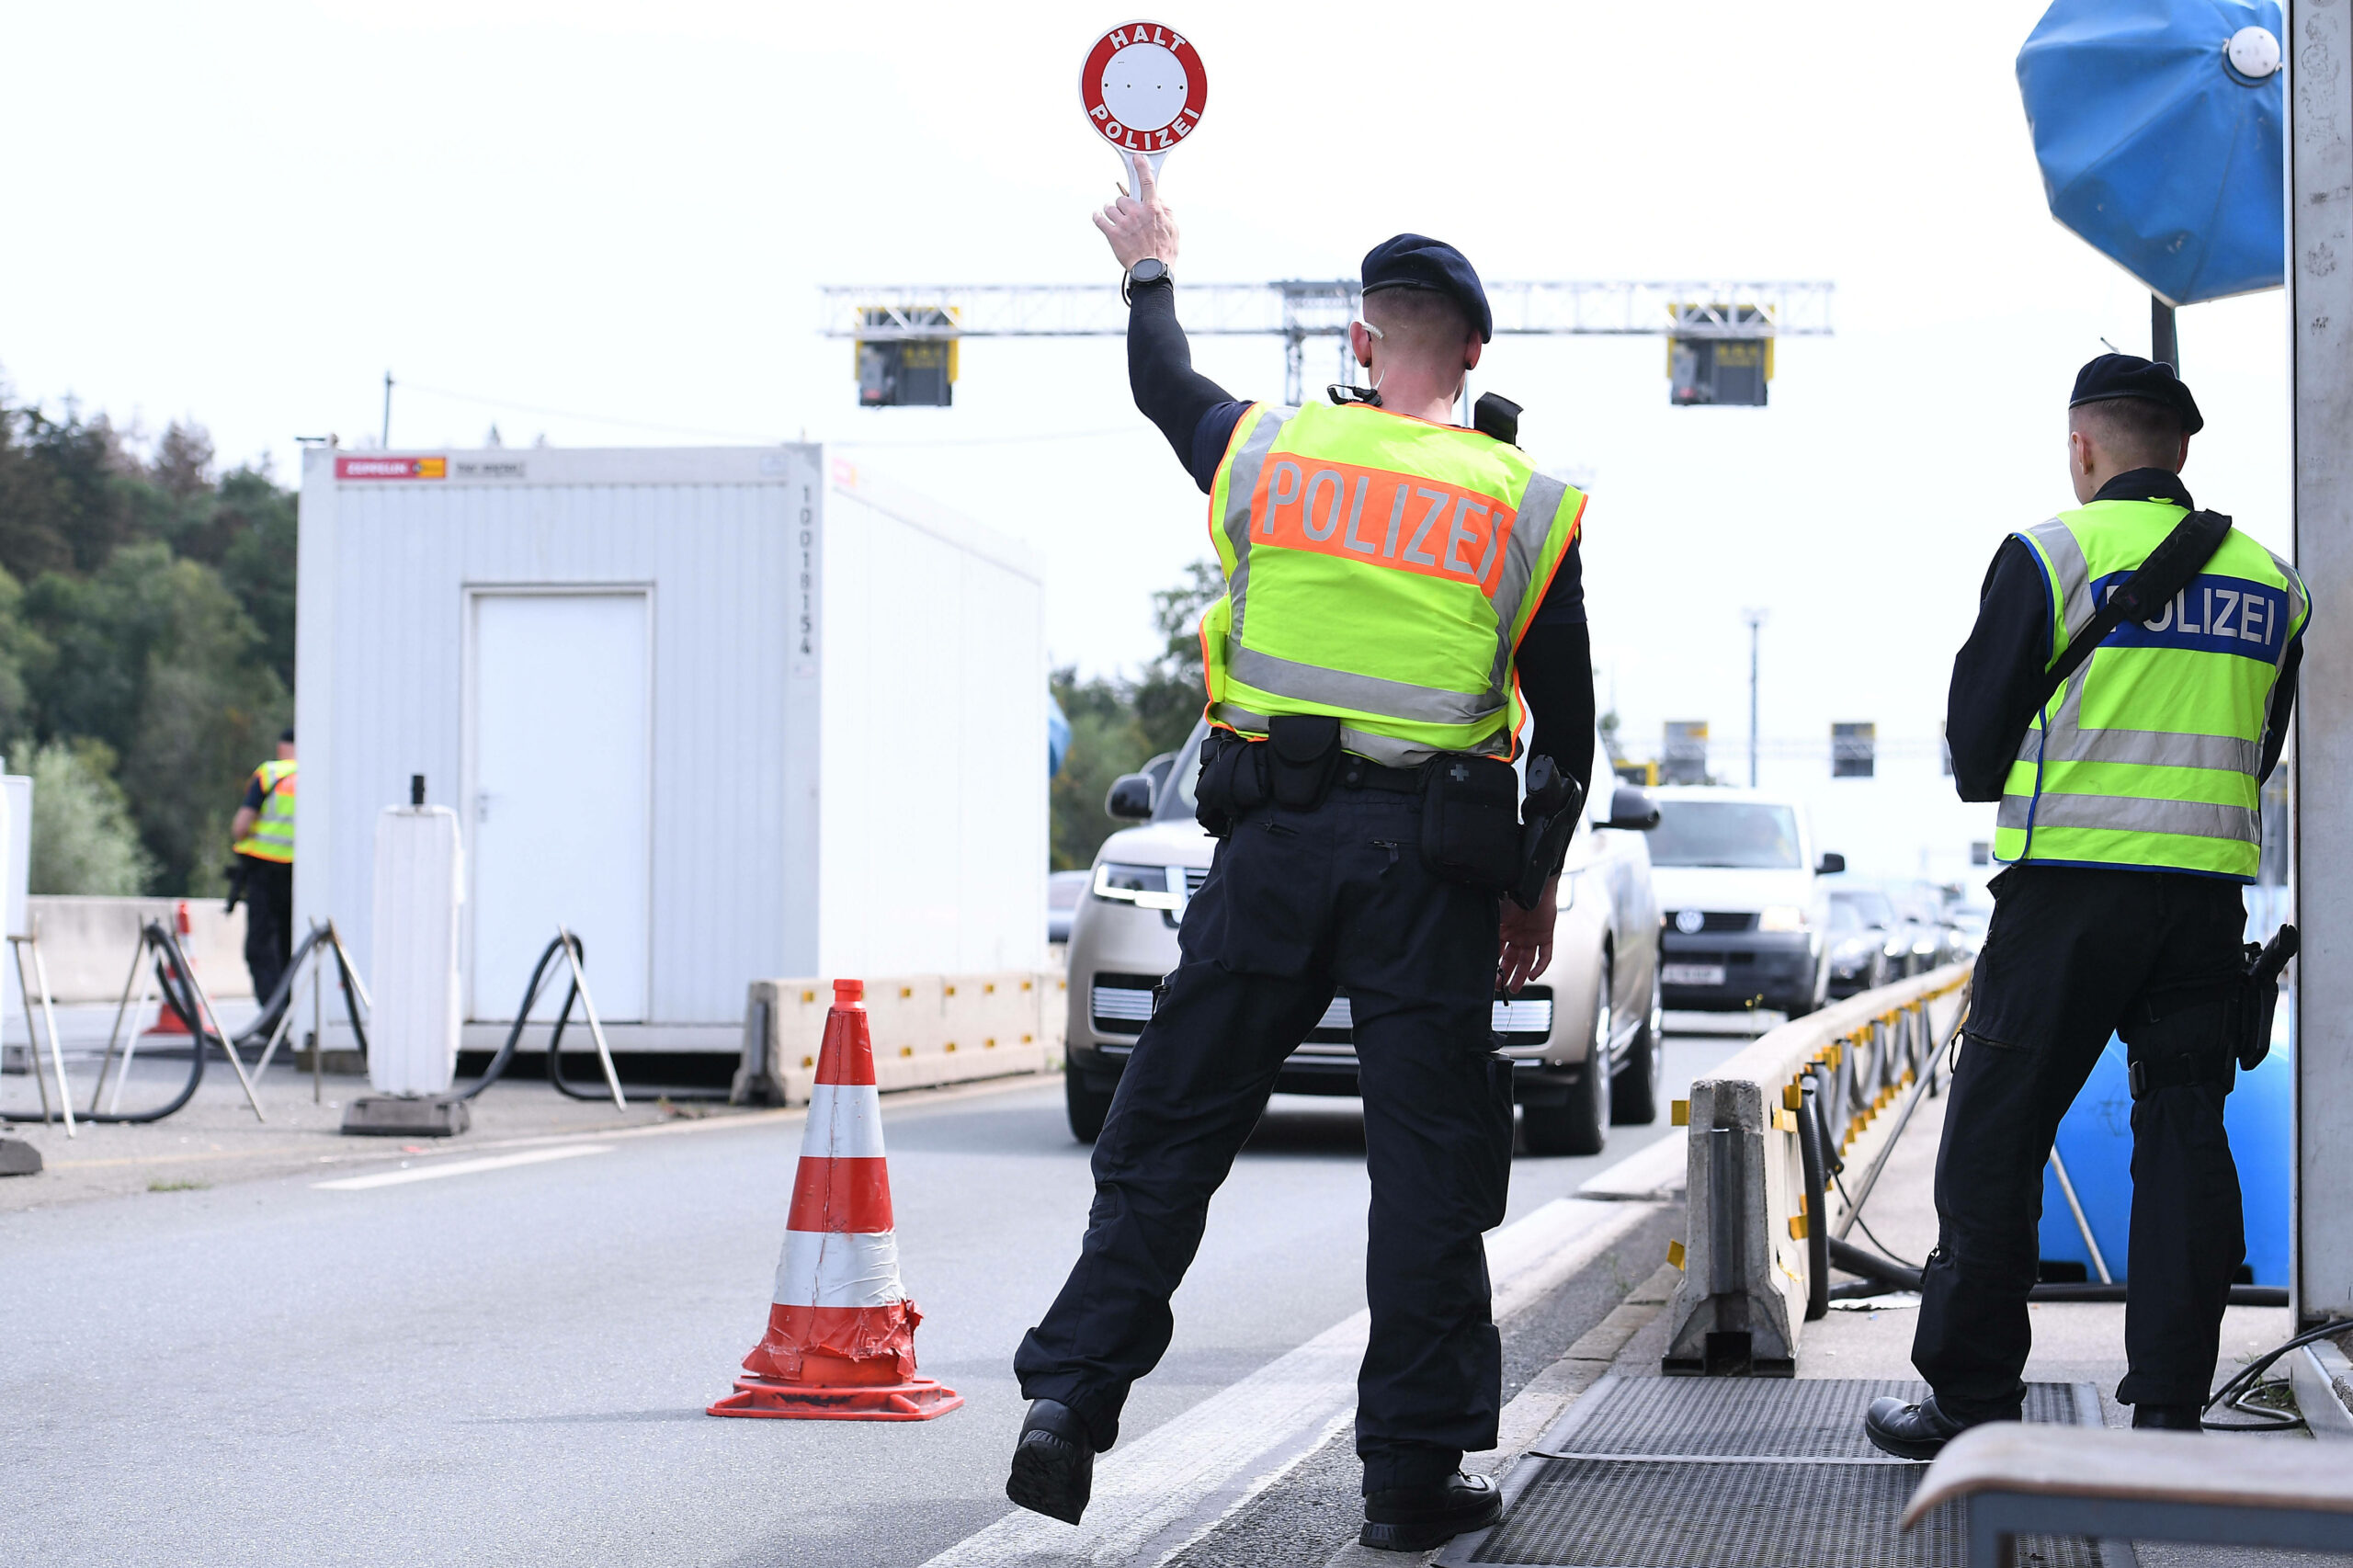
(2128, 753)
(1395, 581)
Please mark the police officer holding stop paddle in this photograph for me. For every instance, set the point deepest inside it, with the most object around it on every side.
(2124, 694)
(1395, 581)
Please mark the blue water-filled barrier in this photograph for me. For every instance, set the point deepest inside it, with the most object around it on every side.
(2096, 1144)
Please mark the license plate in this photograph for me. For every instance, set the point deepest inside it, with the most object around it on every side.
(1691, 975)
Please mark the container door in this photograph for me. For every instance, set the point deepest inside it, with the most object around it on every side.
(560, 813)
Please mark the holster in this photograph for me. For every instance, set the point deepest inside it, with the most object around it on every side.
(1470, 829)
(2187, 1035)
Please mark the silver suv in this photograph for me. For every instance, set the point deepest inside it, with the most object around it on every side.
(1599, 1000)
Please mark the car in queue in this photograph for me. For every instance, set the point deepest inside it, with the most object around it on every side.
(1865, 947)
(1584, 1038)
(1747, 906)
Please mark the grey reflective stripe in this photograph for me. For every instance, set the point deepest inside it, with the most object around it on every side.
(2149, 748)
(2056, 544)
(1241, 483)
(1386, 750)
(2300, 602)
(1539, 505)
(2131, 813)
(1368, 694)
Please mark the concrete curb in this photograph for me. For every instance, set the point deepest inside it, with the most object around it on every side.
(2323, 1379)
(1535, 1409)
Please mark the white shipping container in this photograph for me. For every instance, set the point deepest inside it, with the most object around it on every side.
(727, 713)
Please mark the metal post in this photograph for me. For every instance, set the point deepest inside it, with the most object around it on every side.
(137, 977)
(17, 946)
(386, 439)
(596, 1028)
(1756, 620)
(2165, 346)
(2319, 43)
(318, 1016)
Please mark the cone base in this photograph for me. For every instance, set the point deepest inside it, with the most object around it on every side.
(917, 1398)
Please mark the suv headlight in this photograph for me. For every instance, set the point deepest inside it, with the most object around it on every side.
(1781, 917)
(1146, 887)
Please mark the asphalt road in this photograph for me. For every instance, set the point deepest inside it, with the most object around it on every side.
(511, 1364)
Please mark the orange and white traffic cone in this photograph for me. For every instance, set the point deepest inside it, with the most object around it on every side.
(168, 1023)
(841, 1338)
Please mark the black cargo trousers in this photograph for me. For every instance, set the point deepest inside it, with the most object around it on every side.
(2070, 951)
(1297, 902)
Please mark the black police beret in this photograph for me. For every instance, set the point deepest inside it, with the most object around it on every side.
(1417, 261)
(2129, 375)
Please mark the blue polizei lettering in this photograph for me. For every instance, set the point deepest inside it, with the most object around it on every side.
(2214, 615)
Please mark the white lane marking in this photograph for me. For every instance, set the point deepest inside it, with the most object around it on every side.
(460, 1167)
(1155, 1495)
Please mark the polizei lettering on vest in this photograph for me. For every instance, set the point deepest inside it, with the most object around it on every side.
(2215, 615)
(1435, 530)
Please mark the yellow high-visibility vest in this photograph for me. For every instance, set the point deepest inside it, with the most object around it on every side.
(272, 836)
(2149, 758)
(1381, 569)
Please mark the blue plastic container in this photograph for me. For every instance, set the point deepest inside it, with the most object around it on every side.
(2096, 1142)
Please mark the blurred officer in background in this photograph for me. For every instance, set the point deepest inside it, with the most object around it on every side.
(1387, 572)
(2130, 816)
(263, 832)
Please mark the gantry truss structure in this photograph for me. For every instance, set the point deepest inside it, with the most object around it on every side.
(1298, 309)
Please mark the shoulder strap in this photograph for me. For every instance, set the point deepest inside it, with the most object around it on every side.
(2170, 568)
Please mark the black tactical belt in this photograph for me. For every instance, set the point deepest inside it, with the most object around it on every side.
(1358, 773)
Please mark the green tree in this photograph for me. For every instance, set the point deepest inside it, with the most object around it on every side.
(1168, 697)
(83, 841)
(1105, 741)
(157, 658)
(156, 624)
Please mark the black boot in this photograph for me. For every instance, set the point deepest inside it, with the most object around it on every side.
(1053, 1462)
(1910, 1431)
(2169, 1417)
(1415, 1518)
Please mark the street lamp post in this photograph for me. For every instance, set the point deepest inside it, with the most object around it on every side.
(1756, 619)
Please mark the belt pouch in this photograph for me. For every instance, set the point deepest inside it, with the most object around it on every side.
(1232, 783)
(1305, 751)
(1471, 822)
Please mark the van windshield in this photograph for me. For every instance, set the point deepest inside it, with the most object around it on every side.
(1744, 833)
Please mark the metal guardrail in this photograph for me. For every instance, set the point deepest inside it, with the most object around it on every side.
(1763, 1127)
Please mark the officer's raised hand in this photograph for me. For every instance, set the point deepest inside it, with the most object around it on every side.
(1526, 949)
(1138, 224)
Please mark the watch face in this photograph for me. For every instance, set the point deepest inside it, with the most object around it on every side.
(1150, 269)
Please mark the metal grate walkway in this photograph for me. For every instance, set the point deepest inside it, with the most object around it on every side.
(1730, 1472)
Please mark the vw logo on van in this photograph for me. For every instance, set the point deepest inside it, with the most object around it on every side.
(1690, 921)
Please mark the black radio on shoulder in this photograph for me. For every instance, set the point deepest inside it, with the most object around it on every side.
(1499, 416)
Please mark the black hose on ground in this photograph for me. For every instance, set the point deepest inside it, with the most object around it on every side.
(1817, 1203)
(179, 994)
(506, 1055)
(498, 1063)
(2232, 1395)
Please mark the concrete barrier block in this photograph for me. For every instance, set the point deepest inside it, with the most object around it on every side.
(87, 943)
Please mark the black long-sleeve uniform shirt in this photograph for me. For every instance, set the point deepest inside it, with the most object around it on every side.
(1198, 416)
(1998, 675)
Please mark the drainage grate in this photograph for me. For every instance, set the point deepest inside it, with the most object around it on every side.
(1725, 1473)
(1723, 1418)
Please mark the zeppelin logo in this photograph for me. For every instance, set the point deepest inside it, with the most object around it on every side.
(1143, 87)
(391, 467)
(1382, 518)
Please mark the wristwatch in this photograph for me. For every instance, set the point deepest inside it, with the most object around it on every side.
(1150, 269)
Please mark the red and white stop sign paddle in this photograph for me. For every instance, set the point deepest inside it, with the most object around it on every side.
(1143, 89)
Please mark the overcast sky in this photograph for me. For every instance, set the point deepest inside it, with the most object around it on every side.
(244, 213)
